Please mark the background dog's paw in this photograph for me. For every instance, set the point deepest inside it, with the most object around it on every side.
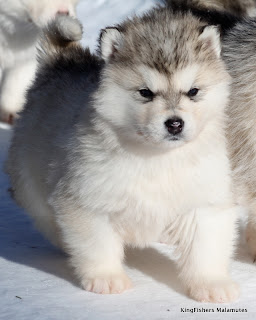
(110, 284)
(217, 292)
(7, 117)
(251, 239)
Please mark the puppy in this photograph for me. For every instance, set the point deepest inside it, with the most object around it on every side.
(128, 147)
(20, 22)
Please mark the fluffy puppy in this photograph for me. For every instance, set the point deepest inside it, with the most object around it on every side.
(129, 148)
(239, 55)
(20, 22)
(240, 8)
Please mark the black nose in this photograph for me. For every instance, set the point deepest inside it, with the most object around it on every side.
(174, 125)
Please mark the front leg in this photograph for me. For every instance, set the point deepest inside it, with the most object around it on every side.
(205, 242)
(95, 249)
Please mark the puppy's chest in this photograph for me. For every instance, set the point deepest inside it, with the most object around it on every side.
(151, 198)
(164, 192)
(142, 197)
(146, 198)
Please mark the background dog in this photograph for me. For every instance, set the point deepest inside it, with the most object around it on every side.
(239, 55)
(240, 8)
(20, 25)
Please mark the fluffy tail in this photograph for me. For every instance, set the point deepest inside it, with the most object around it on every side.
(61, 33)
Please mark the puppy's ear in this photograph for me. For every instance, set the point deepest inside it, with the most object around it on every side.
(210, 36)
(111, 40)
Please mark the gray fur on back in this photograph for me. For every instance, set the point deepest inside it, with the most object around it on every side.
(239, 54)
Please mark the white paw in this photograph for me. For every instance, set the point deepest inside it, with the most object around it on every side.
(251, 239)
(108, 284)
(216, 292)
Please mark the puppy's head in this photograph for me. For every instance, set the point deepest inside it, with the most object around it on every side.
(42, 11)
(163, 79)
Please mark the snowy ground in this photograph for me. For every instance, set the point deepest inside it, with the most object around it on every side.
(35, 281)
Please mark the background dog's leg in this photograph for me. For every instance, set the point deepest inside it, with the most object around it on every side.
(251, 229)
(15, 82)
(96, 252)
(205, 244)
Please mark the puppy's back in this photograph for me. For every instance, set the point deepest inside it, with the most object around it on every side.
(239, 54)
(67, 73)
(66, 78)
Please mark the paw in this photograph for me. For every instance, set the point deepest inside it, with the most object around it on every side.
(251, 239)
(216, 292)
(110, 284)
(8, 117)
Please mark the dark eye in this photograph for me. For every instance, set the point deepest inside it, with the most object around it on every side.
(192, 92)
(146, 93)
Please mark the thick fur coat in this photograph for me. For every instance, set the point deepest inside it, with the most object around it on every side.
(239, 55)
(129, 147)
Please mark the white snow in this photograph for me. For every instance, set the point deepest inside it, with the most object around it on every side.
(99, 14)
(35, 281)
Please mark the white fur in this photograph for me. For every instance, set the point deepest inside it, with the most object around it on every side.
(69, 29)
(111, 40)
(185, 79)
(153, 79)
(211, 37)
(20, 24)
